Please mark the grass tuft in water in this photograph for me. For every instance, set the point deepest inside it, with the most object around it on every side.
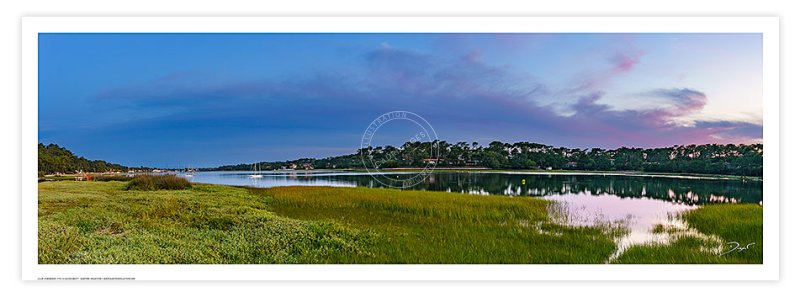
(718, 226)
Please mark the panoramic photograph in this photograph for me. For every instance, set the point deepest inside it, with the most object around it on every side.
(400, 148)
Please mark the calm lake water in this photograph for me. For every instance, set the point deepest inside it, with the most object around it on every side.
(635, 201)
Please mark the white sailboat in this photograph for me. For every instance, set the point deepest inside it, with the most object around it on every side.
(189, 172)
(256, 172)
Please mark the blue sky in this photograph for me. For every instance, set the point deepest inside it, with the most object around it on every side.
(174, 100)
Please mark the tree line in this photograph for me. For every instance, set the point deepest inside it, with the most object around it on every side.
(730, 159)
(54, 159)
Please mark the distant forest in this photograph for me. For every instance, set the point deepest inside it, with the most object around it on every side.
(56, 159)
(738, 160)
(731, 159)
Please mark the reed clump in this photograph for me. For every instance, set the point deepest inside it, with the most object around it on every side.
(106, 178)
(158, 182)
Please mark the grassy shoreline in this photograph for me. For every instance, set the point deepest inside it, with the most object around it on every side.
(102, 223)
(478, 170)
(579, 172)
(718, 226)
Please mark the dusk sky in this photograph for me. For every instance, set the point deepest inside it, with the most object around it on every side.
(177, 100)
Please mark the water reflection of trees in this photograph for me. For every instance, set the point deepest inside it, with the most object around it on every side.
(687, 191)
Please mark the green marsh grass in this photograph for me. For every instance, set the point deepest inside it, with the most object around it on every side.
(158, 182)
(106, 178)
(103, 223)
(438, 227)
(726, 223)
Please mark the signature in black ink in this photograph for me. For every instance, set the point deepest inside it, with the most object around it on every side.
(736, 247)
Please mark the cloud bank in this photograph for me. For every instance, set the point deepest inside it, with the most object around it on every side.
(463, 97)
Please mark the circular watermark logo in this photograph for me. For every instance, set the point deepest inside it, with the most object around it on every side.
(420, 152)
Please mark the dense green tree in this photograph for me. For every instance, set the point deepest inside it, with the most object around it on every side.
(55, 159)
(730, 159)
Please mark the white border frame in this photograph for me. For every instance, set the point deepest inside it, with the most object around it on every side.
(768, 26)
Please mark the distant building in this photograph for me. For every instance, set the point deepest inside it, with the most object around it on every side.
(432, 160)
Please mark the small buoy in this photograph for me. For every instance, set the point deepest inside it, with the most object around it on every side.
(523, 181)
